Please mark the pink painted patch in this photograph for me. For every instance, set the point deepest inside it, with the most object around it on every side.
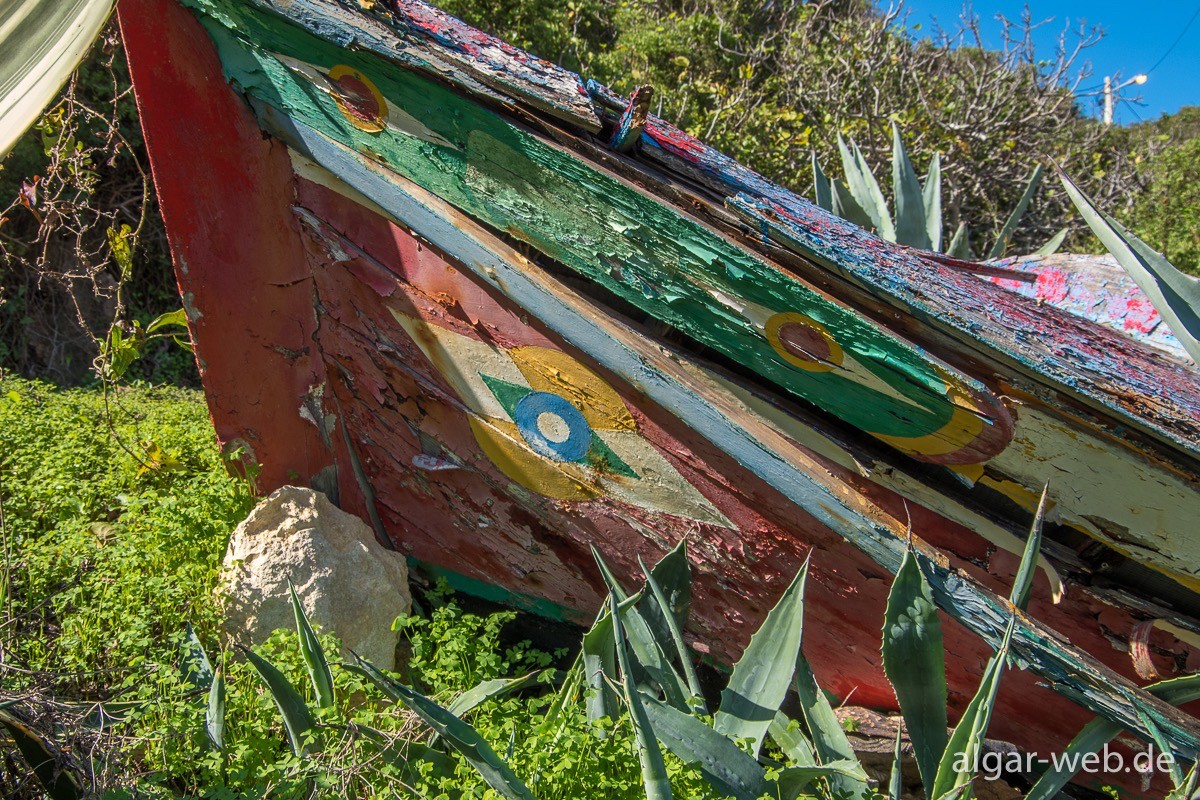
(1140, 315)
(1052, 285)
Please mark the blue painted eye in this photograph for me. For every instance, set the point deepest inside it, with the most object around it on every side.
(552, 427)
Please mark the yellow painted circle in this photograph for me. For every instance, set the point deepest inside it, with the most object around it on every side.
(803, 342)
(359, 100)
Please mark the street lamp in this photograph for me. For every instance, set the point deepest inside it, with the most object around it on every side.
(1110, 90)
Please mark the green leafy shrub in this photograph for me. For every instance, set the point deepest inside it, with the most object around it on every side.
(1167, 214)
(117, 509)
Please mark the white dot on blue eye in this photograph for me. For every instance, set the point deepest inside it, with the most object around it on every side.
(553, 427)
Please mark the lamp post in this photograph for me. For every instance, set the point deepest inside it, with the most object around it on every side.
(1110, 90)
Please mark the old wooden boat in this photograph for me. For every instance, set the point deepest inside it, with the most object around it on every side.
(505, 315)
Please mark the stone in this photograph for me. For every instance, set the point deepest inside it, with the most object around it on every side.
(348, 583)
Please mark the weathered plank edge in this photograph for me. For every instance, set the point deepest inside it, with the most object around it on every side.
(1071, 672)
(418, 36)
(679, 153)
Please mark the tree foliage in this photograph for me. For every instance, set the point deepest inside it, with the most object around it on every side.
(1166, 212)
(769, 83)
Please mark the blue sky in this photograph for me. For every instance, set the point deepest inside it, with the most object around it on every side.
(1137, 35)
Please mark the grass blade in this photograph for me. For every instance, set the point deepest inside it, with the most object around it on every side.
(1014, 219)
(914, 662)
(1175, 295)
(726, 767)
(489, 690)
(866, 190)
(35, 749)
(461, 735)
(931, 195)
(197, 669)
(297, 720)
(214, 715)
(654, 771)
(1100, 732)
(791, 740)
(1023, 584)
(761, 677)
(911, 227)
(667, 615)
(829, 738)
(821, 187)
(313, 654)
(967, 739)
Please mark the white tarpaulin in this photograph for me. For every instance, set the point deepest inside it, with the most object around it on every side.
(41, 43)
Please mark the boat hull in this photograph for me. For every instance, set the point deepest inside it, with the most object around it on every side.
(340, 348)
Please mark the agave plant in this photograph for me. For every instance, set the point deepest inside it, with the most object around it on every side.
(634, 661)
(1175, 296)
(918, 217)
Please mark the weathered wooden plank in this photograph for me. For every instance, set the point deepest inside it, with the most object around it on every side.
(240, 268)
(632, 120)
(713, 414)
(420, 36)
(1108, 503)
(1105, 370)
(646, 253)
(1092, 287)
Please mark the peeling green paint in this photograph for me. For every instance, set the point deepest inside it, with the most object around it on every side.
(650, 255)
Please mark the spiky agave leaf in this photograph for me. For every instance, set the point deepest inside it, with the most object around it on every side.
(761, 677)
(1023, 584)
(1176, 296)
(297, 720)
(651, 660)
(654, 770)
(1014, 219)
(490, 690)
(313, 654)
(1052, 244)
(957, 766)
(214, 713)
(914, 662)
(668, 618)
(911, 227)
(829, 738)
(197, 669)
(1101, 731)
(931, 196)
(791, 741)
(725, 766)
(846, 207)
(866, 189)
(461, 735)
(960, 243)
(822, 191)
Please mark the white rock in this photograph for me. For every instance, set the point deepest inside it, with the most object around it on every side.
(349, 584)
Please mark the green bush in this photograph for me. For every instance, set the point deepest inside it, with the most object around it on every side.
(1167, 214)
(116, 516)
